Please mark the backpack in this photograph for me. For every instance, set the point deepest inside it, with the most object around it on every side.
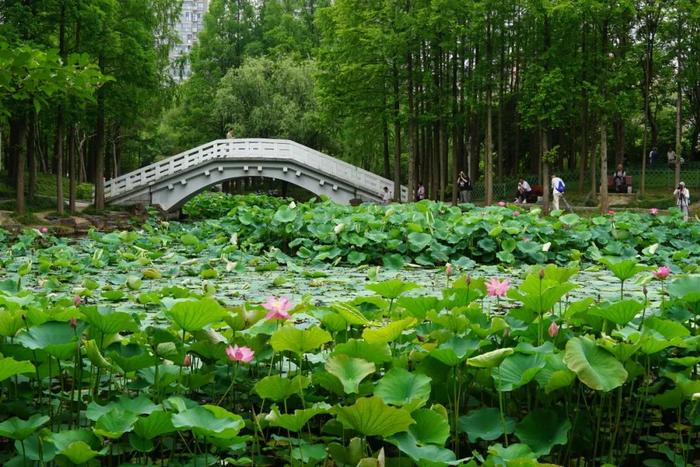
(561, 186)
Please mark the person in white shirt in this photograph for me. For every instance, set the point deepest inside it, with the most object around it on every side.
(682, 199)
(386, 196)
(524, 190)
(558, 187)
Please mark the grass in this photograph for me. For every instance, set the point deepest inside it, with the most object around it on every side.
(45, 187)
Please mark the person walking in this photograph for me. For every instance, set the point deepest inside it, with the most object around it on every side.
(652, 156)
(524, 190)
(558, 188)
(682, 199)
(464, 186)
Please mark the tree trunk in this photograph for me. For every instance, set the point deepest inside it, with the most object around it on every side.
(412, 172)
(619, 125)
(488, 144)
(488, 148)
(679, 142)
(60, 119)
(100, 151)
(603, 167)
(544, 149)
(18, 134)
(397, 138)
(455, 130)
(584, 149)
(642, 183)
(593, 164)
(58, 158)
(31, 159)
(72, 171)
(385, 145)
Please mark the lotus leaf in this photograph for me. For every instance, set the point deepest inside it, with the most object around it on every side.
(370, 416)
(350, 371)
(209, 421)
(195, 315)
(595, 367)
(486, 424)
(16, 428)
(288, 338)
(542, 429)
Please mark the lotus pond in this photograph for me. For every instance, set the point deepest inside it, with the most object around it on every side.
(215, 343)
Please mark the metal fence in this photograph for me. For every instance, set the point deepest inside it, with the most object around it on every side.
(658, 178)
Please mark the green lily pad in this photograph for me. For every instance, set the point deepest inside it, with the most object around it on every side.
(289, 338)
(209, 421)
(16, 428)
(350, 371)
(403, 388)
(370, 416)
(595, 367)
(195, 315)
(486, 424)
(276, 388)
(542, 429)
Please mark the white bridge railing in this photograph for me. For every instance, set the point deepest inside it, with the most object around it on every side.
(232, 149)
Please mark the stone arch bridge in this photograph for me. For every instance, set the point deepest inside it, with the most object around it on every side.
(171, 182)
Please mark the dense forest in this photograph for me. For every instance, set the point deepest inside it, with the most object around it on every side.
(413, 90)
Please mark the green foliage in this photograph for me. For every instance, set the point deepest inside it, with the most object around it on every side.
(519, 379)
(383, 234)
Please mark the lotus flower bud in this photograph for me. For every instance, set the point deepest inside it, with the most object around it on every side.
(73, 322)
(541, 274)
(553, 329)
(448, 269)
(187, 361)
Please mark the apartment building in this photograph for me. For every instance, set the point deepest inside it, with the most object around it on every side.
(191, 22)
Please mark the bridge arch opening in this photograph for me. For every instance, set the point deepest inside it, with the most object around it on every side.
(254, 185)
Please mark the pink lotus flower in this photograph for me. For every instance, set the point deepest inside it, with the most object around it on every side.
(448, 269)
(501, 203)
(662, 273)
(496, 288)
(553, 329)
(516, 213)
(43, 230)
(77, 300)
(240, 354)
(611, 212)
(73, 322)
(187, 361)
(653, 211)
(278, 308)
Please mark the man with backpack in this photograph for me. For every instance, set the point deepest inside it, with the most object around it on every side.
(558, 188)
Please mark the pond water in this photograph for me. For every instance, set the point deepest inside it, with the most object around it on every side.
(327, 285)
(335, 284)
(240, 282)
